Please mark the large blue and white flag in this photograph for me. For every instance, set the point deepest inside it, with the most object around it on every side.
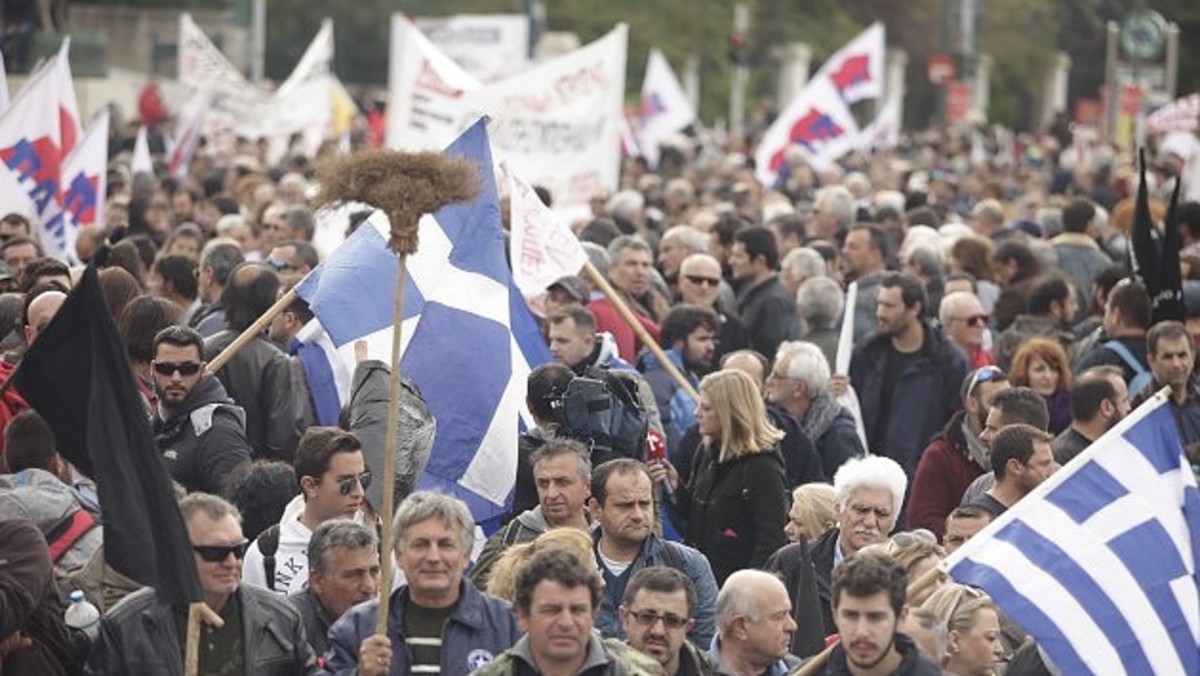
(1099, 563)
(468, 340)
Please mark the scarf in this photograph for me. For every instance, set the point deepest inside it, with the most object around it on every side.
(822, 410)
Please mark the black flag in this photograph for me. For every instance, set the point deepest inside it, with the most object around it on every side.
(77, 376)
(1154, 260)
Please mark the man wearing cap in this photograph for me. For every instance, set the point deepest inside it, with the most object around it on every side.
(565, 291)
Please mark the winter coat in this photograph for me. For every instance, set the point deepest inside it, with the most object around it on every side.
(793, 564)
(911, 664)
(259, 379)
(204, 439)
(735, 510)
(480, 628)
(604, 658)
(943, 474)
(769, 313)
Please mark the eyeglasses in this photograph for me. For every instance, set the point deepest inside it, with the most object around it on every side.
(185, 368)
(346, 483)
(867, 510)
(647, 618)
(218, 553)
(279, 266)
(984, 374)
(976, 320)
(700, 280)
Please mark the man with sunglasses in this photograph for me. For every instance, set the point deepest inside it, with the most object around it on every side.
(333, 479)
(261, 635)
(198, 429)
(965, 322)
(700, 284)
(957, 455)
(657, 613)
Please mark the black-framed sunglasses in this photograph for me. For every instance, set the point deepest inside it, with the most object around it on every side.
(700, 280)
(218, 553)
(346, 483)
(185, 368)
(647, 618)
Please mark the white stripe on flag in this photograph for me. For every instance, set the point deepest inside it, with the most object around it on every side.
(485, 468)
(1160, 491)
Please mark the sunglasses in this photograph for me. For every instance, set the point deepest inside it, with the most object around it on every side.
(700, 280)
(218, 553)
(346, 483)
(976, 320)
(647, 618)
(278, 265)
(914, 538)
(186, 368)
(985, 374)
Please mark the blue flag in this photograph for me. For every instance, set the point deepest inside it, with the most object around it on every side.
(1099, 563)
(469, 341)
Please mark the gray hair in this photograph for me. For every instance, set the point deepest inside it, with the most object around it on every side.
(951, 303)
(343, 533)
(229, 222)
(425, 505)
(929, 621)
(222, 255)
(625, 204)
(838, 201)
(736, 597)
(300, 219)
(807, 364)
(690, 237)
(598, 256)
(215, 507)
(927, 261)
(804, 262)
(820, 302)
(624, 242)
(873, 471)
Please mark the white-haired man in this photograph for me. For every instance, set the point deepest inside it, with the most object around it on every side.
(868, 494)
(677, 244)
(799, 383)
(754, 626)
(819, 305)
(965, 321)
(833, 212)
(800, 265)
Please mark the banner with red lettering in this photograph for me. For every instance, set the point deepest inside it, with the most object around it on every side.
(543, 248)
(85, 179)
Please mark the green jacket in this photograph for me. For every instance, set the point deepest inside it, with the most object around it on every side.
(606, 657)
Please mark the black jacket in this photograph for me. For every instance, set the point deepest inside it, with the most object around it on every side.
(204, 439)
(259, 379)
(769, 313)
(734, 511)
(912, 664)
(793, 565)
(138, 636)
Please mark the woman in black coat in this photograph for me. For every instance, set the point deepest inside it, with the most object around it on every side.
(735, 504)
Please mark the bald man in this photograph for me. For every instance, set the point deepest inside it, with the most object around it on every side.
(700, 284)
(754, 625)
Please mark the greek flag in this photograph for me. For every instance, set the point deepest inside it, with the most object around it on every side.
(1099, 563)
(468, 340)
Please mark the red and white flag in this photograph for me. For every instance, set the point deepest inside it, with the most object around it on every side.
(85, 180)
(39, 128)
(665, 108)
(856, 70)
(543, 248)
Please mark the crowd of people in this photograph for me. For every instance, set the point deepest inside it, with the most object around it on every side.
(803, 500)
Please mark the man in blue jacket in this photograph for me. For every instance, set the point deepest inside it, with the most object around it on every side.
(437, 622)
(622, 507)
(907, 375)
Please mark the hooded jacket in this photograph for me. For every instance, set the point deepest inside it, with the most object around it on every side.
(204, 438)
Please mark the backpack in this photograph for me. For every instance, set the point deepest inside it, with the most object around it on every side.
(1141, 377)
(601, 409)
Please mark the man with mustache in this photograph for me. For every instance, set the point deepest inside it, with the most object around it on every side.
(868, 601)
(657, 612)
(198, 429)
(868, 493)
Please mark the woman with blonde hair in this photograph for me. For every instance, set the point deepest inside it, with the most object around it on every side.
(734, 505)
(1041, 364)
(919, 552)
(502, 582)
(973, 624)
(812, 512)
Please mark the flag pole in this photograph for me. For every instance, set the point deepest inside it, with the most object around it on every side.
(814, 665)
(251, 331)
(197, 611)
(389, 454)
(642, 334)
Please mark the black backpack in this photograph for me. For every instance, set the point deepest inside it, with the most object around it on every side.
(601, 409)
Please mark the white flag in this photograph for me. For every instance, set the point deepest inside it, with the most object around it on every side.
(85, 180)
(856, 70)
(424, 85)
(543, 248)
(665, 108)
(141, 161)
(884, 130)
(490, 47)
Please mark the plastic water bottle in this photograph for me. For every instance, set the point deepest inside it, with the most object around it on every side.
(82, 617)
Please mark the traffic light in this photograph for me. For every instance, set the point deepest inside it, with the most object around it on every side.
(737, 50)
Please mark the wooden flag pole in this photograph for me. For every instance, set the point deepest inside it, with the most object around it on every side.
(389, 454)
(197, 612)
(251, 331)
(818, 661)
(643, 335)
